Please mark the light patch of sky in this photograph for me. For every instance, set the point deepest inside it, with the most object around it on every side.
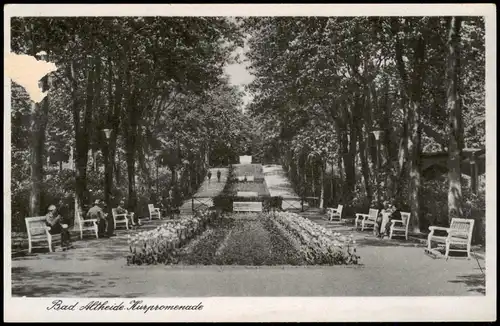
(239, 74)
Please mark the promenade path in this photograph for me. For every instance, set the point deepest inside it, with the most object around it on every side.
(207, 191)
(97, 268)
(279, 185)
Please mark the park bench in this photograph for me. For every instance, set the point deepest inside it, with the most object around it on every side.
(458, 237)
(38, 231)
(400, 226)
(120, 218)
(85, 225)
(366, 220)
(335, 212)
(247, 206)
(154, 212)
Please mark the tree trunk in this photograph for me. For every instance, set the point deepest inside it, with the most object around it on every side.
(132, 196)
(365, 168)
(455, 121)
(414, 165)
(38, 125)
(82, 135)
(322, 190)
(413, 91)
(402, 156)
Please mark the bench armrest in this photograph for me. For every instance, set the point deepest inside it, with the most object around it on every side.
(434, 228)
(90, 220)
(362, 216)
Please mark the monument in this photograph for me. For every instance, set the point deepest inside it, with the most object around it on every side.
(246, 159)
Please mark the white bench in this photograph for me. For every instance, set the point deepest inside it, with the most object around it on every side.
(400, 226)
(120, 218)
(247, 206)
(247, 194)
(86, 225)
(367, 220)
(459, 235)
(154, 212)
(38, 231)
(335, 212)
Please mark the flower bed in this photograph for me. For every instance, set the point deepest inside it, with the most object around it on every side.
(315, 244)
(161, 245)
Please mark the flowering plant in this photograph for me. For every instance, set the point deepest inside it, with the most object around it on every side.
(161, 245)
(315, 243)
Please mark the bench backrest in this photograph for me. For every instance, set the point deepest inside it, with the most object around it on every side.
(247, 206)
(36, 225)
(340, 208)
(114, 212)
(373, 214)
(461, 227)
(151, 207)
(405, 217)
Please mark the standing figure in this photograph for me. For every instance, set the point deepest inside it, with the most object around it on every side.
(218, 175)
(209, 175)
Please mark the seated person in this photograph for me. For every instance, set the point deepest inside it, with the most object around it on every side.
(380, 218)
(121, 210)
(96, 213)
(395, 215)
(57, 226)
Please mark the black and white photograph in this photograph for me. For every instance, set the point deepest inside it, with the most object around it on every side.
(154, 154)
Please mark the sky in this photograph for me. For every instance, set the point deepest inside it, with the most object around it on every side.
(238, 73)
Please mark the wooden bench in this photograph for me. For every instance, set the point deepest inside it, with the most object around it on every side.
(120, 218)
(247, 194)
(38, 231)
(459, 234)
(367, 220)
(335, 212)
(400, 226)
(247, 206)
(85, 225)
(154, 212)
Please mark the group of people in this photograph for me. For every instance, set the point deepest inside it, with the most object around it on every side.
(209, 175)
(393, 212)
(57, 221)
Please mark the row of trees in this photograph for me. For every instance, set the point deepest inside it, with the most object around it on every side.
(326, 86)
(155, 83)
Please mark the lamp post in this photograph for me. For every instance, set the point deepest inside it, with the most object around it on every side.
(108, 180)
(377, 134)
(158, 153)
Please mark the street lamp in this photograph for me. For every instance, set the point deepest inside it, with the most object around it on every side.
(377, 134)
(158, 153)
(108, 180)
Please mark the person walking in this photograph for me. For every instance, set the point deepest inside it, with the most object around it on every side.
(209, 175)
(218, 175)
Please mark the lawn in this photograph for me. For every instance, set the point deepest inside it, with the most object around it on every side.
(244, 239)
(259, 187)
(248, 170)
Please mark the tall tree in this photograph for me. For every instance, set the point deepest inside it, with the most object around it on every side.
(455, 143)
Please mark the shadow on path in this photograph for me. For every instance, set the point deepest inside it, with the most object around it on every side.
(474, 282)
